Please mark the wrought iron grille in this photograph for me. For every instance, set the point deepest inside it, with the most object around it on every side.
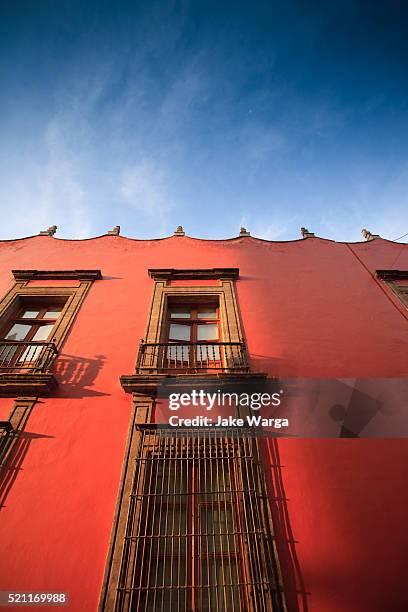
(198, 535)
(18, 356)
(191, 356)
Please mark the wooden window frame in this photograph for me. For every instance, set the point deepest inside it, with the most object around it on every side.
(193, 322)
(223, 292)
(35, 322)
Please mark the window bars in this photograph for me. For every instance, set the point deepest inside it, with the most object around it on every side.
(198, 535)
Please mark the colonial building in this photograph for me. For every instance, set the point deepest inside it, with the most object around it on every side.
(103, 500)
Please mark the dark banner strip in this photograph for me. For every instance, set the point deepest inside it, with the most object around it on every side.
(307, 408)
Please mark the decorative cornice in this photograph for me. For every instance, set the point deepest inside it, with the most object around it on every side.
(244, 232)
(193, 274)
(392, 274)
(27, 275)
(305, 233)
(367, 235)
(49, 232)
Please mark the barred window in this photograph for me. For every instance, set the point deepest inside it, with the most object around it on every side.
(198, 535)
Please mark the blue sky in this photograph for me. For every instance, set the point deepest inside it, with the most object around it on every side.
(272, 115)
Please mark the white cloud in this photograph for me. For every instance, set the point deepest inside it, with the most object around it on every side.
(271, 227)
(61, 192)
(46, 189)
(145, 187)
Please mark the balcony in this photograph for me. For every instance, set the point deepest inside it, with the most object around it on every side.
(181, 365)
(191, 357)
(25, 367)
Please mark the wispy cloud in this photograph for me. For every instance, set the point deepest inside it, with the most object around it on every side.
(46, 190)
(145, 187)
(61, 191)
(271, 226)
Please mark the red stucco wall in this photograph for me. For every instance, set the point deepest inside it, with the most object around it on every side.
(309, 308)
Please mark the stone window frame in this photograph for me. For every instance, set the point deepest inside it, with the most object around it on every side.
(389, 277)
(73, 296)
(142, 386)
(17, 420)
(23, 383)
(223, 292)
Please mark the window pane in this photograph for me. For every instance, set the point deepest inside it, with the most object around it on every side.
(208, 352)
(179, 332)
(52, 314)
(7, 352)
(43, 332)
(207, 332)
(19, 331)
(30, 314)
(178, 352)
(207, 313)
(180, 312)
(31, 353)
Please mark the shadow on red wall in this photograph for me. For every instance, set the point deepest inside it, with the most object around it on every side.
(294, 584)
(12, 466)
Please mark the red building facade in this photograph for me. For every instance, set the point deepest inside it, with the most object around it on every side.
(98, 503)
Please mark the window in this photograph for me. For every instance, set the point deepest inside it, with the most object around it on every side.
(192, 340)
(193, 529)
(397, 280)
(401, 290)
(35, 318)
(193, 335)
(192, 327)
(24, 340)
(198, 535)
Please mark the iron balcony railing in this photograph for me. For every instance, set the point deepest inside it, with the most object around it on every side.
(191, 357)
(20, 356)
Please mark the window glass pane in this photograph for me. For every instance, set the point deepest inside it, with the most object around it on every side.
(207, 332)
(207, 313)
(19, 331)
(30, 314)
(52, 314)
(31, 353)
(43, 332)
(180, 332)
(178, 352)
(180, 312)
(7, 352)
(208, 352)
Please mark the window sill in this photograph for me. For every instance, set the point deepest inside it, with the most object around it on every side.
(147, 384)
(26, 384)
